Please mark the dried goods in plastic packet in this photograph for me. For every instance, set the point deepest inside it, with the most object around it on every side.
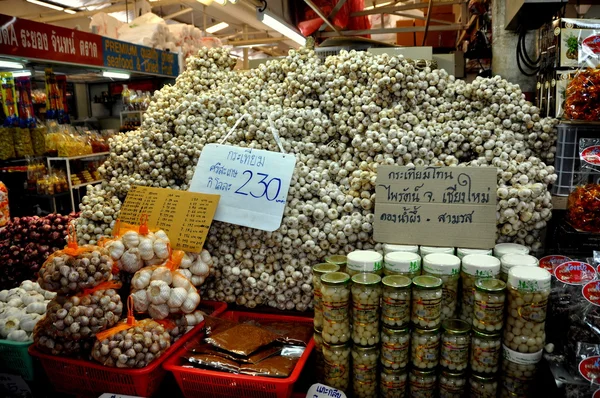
(290, 332)
(242, 339)
(214, 362)
(216, 325)
(583, 206)
(277, 366)
(206, 348)
(22, 141)
(38, 140)
(583, 96)
(7, 144)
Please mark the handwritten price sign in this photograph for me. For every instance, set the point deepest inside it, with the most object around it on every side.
(253, 184)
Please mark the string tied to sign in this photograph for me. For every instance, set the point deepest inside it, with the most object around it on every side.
(274, 131)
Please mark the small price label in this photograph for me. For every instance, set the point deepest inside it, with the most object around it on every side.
(550, 263)
(591, 292)
(321, 391)
(589, 369)
(109, 395)
(253, 184)
(575, 273)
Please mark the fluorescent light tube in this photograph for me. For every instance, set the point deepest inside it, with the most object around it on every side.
(221, 2)
(116, 75)
(281, 27)
(21, 73)
(233, 1)
(41, 3)
(205, 2)
(71, 12)
(11, 65)
(217, 27)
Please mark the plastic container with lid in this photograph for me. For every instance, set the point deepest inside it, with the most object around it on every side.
(504, 248)
(452, 384)
(364, 371)
(425, 348)
(456, 339)
(488, 307)
(338, 260)
(461, 252)
(475, 266)
(319, 360)
(426, 302)
(392, 383)
(366, 295)
(335, 296)
(394, 347)
(402, 263)
(364, 261)
(395, 303)
(337, 369)
(422, 384)
(518, 373)
(447, 268)
(318, 271)
(425, 250)
(389, 248)
(483, 386)
(528, 291)
(512, 260)
(485, 352)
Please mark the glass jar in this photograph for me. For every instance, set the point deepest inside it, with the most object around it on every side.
(394, 347)
(461, 252)
(388, 248)
(504, 248)
(454, 353)
(318, 271)
(335, 295)
(402, 263)
(392, 383)
(452, 385)
(337, 365)
(518, 373)
(364, 371)
(366, 294)
(426, 302)
(528, 291)
(447, 268)
(319, 361)
(422, 383)
(338, 260)
(488, 308)
(364, 261)
(395, 303)
(483, 386)
(485, 352)
(513, 259)
(475, 266)
(425, 348)
(425, 250)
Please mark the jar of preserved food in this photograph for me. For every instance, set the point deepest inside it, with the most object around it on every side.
(319, 360)
(338, 260)
(318, 271)
(364, 371)
(337, 365)
(366, 294)
(461, 252)
(388, 248)
(422, 383)
(475, 266)
(394, 347)
(364, 261)
(335, 296)
(512, 260)
(393, 383)
(488, 308)
(528, 291)
(485, 352)
(454, 353)
(425, 348)
(402, 263)
(395, 303)
(447, 268)
(425, 250)
(518, 373)
(426, 301)
(504, 248)
(452, 385)
(483, 386)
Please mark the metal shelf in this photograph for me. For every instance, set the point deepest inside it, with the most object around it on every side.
(86, 183)
(92, 155)
(132, 112)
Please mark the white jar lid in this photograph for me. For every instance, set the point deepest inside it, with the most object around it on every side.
(529, 279)
(404, 262)
(441, 264)
(520, 358)
(513, 259)
(387, 248)
(461, 252)
(425, 250)
(364, 261)
(504, 248)
(481, 265)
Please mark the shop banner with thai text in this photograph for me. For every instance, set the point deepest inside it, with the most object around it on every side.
(127, 56)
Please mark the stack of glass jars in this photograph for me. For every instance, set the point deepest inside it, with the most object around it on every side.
(318, 271)
(364, 261)
(474, 267)
(461, 252)
(388, 248)
(512, 260)
(402, 263)
(425, 250)
(505, 248)
(447, 268)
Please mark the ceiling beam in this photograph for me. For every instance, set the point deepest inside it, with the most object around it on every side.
(393, 30)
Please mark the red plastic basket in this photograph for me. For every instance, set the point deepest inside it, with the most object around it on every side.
(199, 382)
(81, 377)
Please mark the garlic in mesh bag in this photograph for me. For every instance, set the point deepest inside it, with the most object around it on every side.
(46, 341)
(198, 265)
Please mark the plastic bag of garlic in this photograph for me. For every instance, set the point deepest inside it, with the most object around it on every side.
(341, 117)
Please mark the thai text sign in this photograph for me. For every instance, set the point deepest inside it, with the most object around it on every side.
(436, 206)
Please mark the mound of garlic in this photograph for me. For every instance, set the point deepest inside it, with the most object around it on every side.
(134, 250)
(21, 309)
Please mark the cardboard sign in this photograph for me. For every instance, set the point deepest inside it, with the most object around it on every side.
(253, 184)
(184, 216)
(436, 206)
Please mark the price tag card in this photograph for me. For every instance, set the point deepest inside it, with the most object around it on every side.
(253, 184)
(184, 216)
(321, 391)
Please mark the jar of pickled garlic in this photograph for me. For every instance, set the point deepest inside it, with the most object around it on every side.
(364, 371)
(528, 291)
(338, 260)
(518, 373)
(335, 296)
(319, 360)
(425, 250)
(447, 268)
(318, 271)
(402, 263)
(483, 386)
(422, 384)
(392, 383)
(505, 248)
(388, 248)
(426, 308)
(425, 348)
(366, 294)
(395, 303)
(461, 252)
(394, 347)
(452, 384)
(513, 259)
(456, 339)
(364, 261)
(485, 352)
(488, 308)
(475, 266)
(337, 369)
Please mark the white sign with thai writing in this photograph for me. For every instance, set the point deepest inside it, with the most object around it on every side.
(253, 184)
(322, 391)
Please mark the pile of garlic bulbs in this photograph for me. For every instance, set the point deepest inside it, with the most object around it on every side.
(342, 118)
(134, 250)
(99, 211)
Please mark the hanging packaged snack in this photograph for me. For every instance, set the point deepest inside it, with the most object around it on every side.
(9, 99)
(583, 206)
(62, 104)
(46, 341)
(7, 144)
(22, 142)
(52, 95)
(38, 138)
(25, 106)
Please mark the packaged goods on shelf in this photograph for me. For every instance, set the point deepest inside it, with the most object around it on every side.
(583, 210)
